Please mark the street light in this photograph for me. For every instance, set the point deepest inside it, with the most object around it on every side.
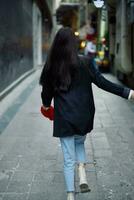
(98, 3)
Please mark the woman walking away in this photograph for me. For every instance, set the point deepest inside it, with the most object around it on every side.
(67, 77)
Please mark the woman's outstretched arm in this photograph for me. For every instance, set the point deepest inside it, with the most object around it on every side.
(99, 80)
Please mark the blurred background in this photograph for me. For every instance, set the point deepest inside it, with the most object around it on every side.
(30, 158)
(105, 31)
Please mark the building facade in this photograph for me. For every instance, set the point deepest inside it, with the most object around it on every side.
(23, 25)
(15, 40)
(121, 39)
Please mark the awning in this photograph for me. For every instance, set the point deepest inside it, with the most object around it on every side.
(64, 6)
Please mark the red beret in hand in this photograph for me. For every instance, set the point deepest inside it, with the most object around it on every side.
(49, 113)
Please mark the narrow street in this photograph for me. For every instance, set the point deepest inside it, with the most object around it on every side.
(31, 159)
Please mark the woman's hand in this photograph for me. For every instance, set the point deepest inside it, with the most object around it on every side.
(47, 112)
(132, 95)
(45, 108)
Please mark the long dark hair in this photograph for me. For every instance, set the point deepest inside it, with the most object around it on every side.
(62, 61)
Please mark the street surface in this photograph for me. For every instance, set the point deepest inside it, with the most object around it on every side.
(31, 159)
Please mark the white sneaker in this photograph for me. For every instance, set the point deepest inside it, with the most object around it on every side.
(70, 196)
(83, 179)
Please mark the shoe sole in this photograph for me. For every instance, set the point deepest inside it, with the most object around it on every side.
(84, 188)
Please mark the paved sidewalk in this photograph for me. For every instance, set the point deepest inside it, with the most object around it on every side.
(31, 159)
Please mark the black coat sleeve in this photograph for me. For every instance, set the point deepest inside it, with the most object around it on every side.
(46, 95)
(47, 89)
(99, 80)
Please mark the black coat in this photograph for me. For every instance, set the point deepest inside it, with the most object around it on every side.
(74, 110)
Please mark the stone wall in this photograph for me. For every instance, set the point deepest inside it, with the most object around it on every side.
(15, 40)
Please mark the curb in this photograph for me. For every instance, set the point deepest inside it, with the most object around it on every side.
(15, 83)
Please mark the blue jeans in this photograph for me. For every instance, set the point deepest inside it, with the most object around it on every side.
(73, 152)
